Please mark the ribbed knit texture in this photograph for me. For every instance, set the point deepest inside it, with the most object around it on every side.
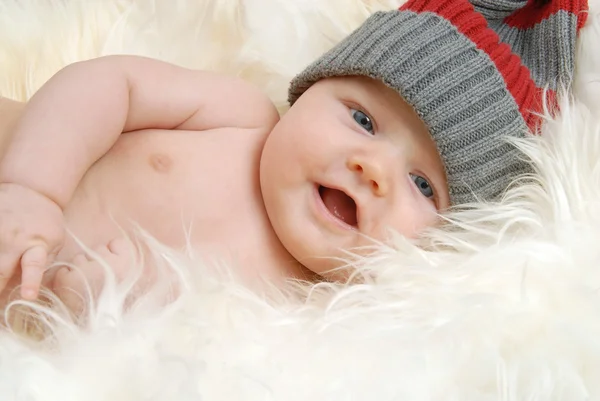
(543, 33)
(470, 89)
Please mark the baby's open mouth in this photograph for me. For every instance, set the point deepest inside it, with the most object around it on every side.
(339, 205)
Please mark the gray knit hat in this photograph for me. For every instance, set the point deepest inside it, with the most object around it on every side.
(471, 89)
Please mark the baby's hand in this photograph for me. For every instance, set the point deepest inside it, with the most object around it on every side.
(31, 233)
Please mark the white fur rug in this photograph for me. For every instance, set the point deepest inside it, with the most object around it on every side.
(507, 309)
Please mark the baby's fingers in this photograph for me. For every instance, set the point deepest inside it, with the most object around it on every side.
(33, 266)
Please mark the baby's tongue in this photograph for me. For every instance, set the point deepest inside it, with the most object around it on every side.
(340, 205)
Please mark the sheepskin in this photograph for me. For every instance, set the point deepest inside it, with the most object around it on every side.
(502, 304)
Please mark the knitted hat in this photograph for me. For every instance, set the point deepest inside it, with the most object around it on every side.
(465, 69)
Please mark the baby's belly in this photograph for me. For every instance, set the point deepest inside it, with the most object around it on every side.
(172, 184)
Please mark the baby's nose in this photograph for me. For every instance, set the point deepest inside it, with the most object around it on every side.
(371, 171)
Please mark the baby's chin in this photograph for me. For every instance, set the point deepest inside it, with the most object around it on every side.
(326, 262)
(329, 269)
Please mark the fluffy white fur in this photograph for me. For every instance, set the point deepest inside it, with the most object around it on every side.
(506, 308)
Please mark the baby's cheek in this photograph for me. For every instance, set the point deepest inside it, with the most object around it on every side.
(425, 221)
(429, 216)
(411, 222)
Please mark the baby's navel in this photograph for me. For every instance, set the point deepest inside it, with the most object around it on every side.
(160, 162)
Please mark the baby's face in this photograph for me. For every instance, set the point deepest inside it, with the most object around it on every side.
(347, 163)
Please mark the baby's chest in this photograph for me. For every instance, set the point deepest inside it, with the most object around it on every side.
(182, 188)
(205, 181)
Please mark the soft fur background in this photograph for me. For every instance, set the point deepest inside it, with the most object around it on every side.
(505, 309)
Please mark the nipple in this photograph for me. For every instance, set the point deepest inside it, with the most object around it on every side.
(160, 163)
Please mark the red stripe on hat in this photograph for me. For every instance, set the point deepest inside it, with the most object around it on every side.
(473, 25)
(533, 13)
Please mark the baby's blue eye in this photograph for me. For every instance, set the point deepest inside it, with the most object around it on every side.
(363, 120)
(423, 185)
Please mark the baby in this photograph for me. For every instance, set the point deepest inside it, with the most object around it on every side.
(407, 116)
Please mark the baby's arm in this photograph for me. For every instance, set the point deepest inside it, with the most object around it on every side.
(76, 118)
(78, 115)
(10, 111)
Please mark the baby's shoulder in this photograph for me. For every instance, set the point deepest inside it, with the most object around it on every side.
(248, 105)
